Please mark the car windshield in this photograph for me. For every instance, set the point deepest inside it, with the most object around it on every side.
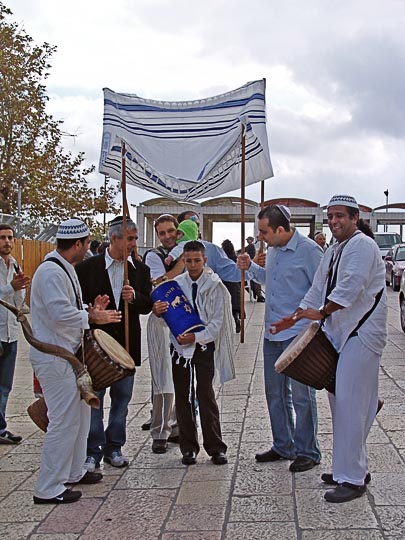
(387, 240)
(401, 254)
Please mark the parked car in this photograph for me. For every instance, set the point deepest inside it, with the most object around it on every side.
(402, 301)
(394, 266)
(386, 240)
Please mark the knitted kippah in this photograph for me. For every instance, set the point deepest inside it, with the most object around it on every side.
(72, 228)
(343, 200)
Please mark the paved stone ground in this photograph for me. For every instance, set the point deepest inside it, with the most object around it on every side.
(157, 497)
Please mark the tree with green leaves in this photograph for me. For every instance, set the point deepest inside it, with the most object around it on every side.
(54, 182)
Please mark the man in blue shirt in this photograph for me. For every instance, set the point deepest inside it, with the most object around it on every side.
(291, 263)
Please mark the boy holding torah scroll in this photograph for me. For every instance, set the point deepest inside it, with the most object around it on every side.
(196, 356)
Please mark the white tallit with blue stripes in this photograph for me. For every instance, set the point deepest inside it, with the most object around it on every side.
(186, 149)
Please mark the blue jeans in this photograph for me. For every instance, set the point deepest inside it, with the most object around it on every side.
(285, 397)
(102, 442)
(7, 367)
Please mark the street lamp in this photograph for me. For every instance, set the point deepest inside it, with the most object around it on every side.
(386, 193)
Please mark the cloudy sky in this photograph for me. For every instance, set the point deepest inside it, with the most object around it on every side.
(335, 78)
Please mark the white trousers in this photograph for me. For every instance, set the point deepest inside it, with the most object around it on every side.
(353, 407)
(65, 443)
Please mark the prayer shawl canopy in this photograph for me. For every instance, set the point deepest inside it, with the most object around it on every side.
(187, 149)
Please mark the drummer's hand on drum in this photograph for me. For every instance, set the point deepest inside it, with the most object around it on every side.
(243, 261)
(185, 339)
(288, 322)
(159, 308)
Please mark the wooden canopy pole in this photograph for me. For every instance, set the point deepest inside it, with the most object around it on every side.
(124, 233)
(242, 232)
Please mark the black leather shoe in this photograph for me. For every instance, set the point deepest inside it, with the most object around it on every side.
(219, 458)
(88, 478)
(344, 492)
(64, 498)
(302, 463)
(327, 478)
(260, 299)
(146, 425)
(159, 446)
(268, 455)
(174, 439)
(189, 458)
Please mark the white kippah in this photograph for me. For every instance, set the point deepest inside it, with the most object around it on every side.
(71, 229)
(343, 200)
(285, 211)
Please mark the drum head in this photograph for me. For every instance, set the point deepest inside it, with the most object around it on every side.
(296, 347)
(111, 347)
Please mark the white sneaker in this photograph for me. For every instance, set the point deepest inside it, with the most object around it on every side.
(90, 464)
(116, 459)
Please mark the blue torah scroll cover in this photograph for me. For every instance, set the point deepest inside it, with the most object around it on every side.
(181, 316)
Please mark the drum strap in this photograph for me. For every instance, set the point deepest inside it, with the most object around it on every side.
(367, 315)
(58, 262)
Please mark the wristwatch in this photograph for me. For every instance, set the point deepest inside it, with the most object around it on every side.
(323, 312)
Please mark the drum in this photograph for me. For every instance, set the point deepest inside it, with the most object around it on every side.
(106, 360)
(37, 411)
(180, 317)
(310, 359)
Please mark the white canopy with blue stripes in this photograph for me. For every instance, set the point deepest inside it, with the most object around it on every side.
(186, 149)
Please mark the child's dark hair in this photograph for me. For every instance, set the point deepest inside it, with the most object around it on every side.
(194, 245)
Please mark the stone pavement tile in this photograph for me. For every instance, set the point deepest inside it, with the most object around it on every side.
(314, 511)
(128, 511)
(343, 534)
(52, 536)
(196, 517)
(146, 459)
(207, 471)
(17, 531)
(392, 409)
(9, 481)
(312, 478)
(392, 521)
(231, 427)
(262, 508)
(208, 493)
(377, 435)
(20, 462)
(101, 489)
(397, 438)
(391, 423)
(19, 507)
(151, 478)
(195, 535)
(256, 479)
(231, 417)
(261, 531)
(28, 446)
(326, 441)
(70, 518)
(388, 489)
(257, 435)
(384, 458)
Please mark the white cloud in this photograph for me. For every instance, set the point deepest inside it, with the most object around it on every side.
(335, 76)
